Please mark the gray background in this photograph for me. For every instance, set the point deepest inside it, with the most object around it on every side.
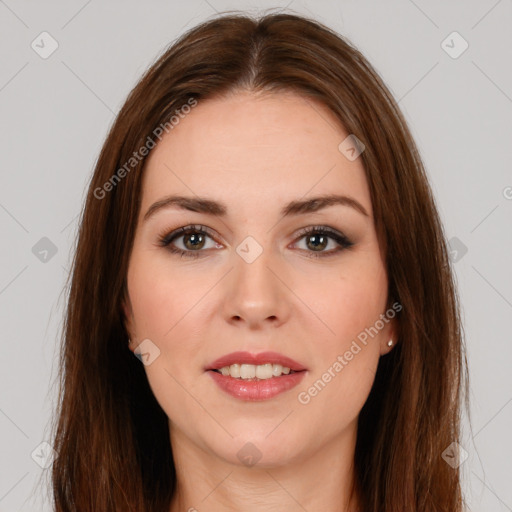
(55, 114)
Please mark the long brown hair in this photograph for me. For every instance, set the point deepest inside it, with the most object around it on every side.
(111, 436)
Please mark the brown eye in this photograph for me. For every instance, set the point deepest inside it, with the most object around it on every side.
(194, 239)
(317, 238)
(317, 242)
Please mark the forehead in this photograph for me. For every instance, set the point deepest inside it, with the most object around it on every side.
(246, 147)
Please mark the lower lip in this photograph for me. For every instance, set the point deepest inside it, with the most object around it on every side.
(256, 389)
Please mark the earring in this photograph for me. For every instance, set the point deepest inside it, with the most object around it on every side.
(390, 343)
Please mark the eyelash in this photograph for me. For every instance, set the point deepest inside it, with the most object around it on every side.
(165, 239)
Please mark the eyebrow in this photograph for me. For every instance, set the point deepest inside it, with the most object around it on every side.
(297, 207)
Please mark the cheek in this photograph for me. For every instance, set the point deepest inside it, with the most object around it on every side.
(347, 360)
(334, 398)
(168, 308)
(159, 297)
(347, 300)
(163, 307)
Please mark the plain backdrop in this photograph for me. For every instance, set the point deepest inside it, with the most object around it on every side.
(447, 63)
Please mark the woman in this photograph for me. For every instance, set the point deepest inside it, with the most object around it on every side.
(260, 233)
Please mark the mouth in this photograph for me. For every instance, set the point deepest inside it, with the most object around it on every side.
(264, 365)
(254, 377)
(251, 372)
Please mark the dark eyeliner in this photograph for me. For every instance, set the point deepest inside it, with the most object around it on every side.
(166, 239)
(341, 239)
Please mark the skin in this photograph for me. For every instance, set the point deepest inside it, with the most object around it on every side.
(255, 153)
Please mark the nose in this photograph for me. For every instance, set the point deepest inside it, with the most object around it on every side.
(256, 294)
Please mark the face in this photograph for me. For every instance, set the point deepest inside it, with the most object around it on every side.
(308, 282)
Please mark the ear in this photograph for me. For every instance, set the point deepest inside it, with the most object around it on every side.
(390, 332)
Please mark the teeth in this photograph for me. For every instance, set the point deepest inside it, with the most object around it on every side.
(247, 371)
(277, 369)
(264, 371)
(234, 370)
(251, 371)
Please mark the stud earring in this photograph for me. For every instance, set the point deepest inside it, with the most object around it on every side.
(390, 343)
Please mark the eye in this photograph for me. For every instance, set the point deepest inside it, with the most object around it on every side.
(317, 238)
(194, 240)
(194, 237)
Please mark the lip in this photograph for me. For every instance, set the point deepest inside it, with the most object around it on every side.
(256, 390)
(256, 359)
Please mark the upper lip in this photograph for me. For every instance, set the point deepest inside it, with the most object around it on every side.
(256, 359)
